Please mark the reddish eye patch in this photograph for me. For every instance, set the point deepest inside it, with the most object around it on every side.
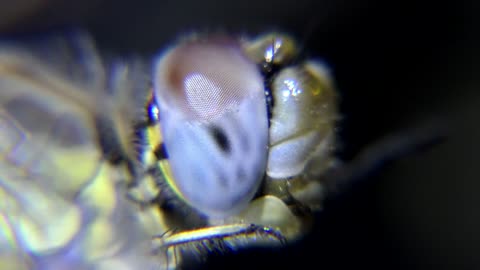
(203, 79)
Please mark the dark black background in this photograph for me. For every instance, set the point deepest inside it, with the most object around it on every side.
(396, 64)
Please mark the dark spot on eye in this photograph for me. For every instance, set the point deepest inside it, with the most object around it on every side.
(160, 152)
(221, 139)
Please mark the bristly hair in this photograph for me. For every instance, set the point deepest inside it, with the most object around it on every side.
(194, 250)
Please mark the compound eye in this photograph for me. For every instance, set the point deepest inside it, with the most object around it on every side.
(214, 123)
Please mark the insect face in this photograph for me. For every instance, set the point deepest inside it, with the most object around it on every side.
(212, 101)
(238, 129)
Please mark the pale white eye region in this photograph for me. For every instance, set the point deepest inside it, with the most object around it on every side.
(214, 124)
(200, 92)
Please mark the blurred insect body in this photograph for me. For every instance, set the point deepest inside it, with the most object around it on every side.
(100, 170)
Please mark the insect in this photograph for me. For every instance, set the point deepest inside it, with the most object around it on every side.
(219, 143)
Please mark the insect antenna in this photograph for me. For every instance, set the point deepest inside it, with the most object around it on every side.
(390, 148)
